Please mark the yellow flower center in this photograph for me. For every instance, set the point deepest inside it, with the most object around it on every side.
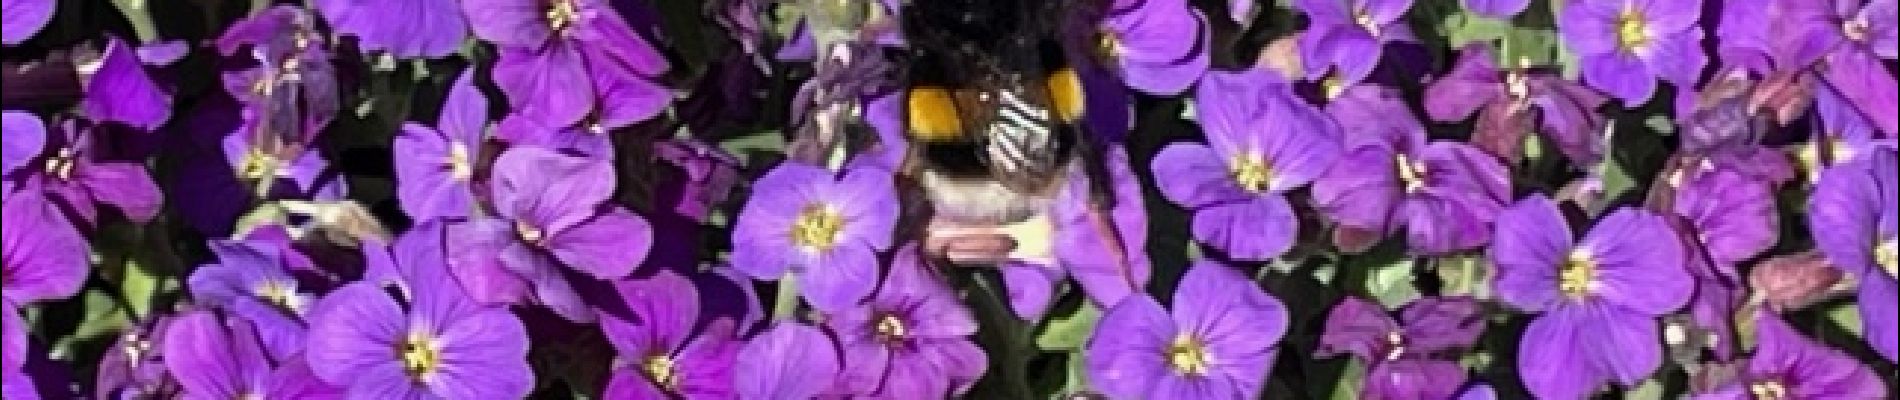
(660, 369)
(529, 233)
(1250, 172)
(60, 165)
(890, 328)
(279, 293)
(421, 356)
(458, 162)
(1887, 255)
(1187, 356)
(1631, 31)
(258, 164)
(1333, 86)
(1412, 174)
(562, 14)
(817, 227)
(1768, 390)
(1579, 275)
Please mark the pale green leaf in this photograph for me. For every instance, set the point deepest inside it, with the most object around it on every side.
(1069, 332)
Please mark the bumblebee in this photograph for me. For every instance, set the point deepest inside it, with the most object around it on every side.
(992, 114)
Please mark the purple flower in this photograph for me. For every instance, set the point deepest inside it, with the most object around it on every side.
(1624, 45)
(1511, 102)
(436, 165)
(1726, 217)
(708, 176)
(121, 91)
(420, 337)
(661, 356)
(1217, 342)
(253, 279)
(44, 257)
(1787, 365)
(1501, 9)
(14, 384)
(1099, 244)
(789, 361)
(1159, 47)
(1479, 392)
(1444, 195)
(23, 18)
(1349, 35)
(214, 358)
(405, 28)
(73, 172)
(912, 339)
(288, 96)
(1851, 37)
(563, 59)
(550, 216)
(825, 229)
(22, 137)
(1853, 216)
(133, 366)
(1603, 292)
(1262, 141)
(1407, 358)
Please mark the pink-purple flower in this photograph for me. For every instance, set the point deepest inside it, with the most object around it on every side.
(217, 357)
(911, 339)
(1601, 292)
(563, 61)
(788, 361)
(403, 28)
(435, 174)
(1262, 141)
(826, 228)
(420, 336)
(1787, 365)
(1413, 357)
(1347, 37)
(551, 230)
(1156, 46)
(1625, 45)
(42, 257)
(1443, 195)
(1217, 339)
(1852, 214)
(666, 347)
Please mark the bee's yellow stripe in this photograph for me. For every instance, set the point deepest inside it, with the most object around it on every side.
(933, 114)
(1065, 95)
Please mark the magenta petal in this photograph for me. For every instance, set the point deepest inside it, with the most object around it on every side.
(406, 29)
(793, 361)
(24, 138)
(121, 91)
(1621, 75)
(425, 184)
(479, 256)
(1361, 190)
(868, 199)
(1031, 288)
(609, 246)
(1472, 83)
(1880, 315)
(1413, 379)
(550, 83)
(352, 336)
(665, 306)
(1734, 216)
(511, 23)
(547, 189)
(1357, 327)
(1127, 354)
(484, 356)
(1198, 176)
(1637, 338)
(1639, 262)
(1866, 84)
(1554, 362)
(201, 356)
(126, 186)
(630, 385)
(840, 280)
(1434, 324)
(45, 257)
(1256, 229)
(627, 97)
(22, 19)
(1237, 322)
(1532, 240)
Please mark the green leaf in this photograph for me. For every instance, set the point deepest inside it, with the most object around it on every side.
(1391, 284)
(1069, 332)
(1648, 389)
(1075, 375)
(1350, 381)
(1848, 317)
(1465, 275)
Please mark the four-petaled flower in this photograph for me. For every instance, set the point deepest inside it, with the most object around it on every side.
(1624, 45)
(912, 339)
(563, 60)
(1262, 141)
(1603, 292)
(825, 229)
(1853, 216)
(1218, 341)
(666, 347)
(1409, 358)
(1349, 35)
(435, 172)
